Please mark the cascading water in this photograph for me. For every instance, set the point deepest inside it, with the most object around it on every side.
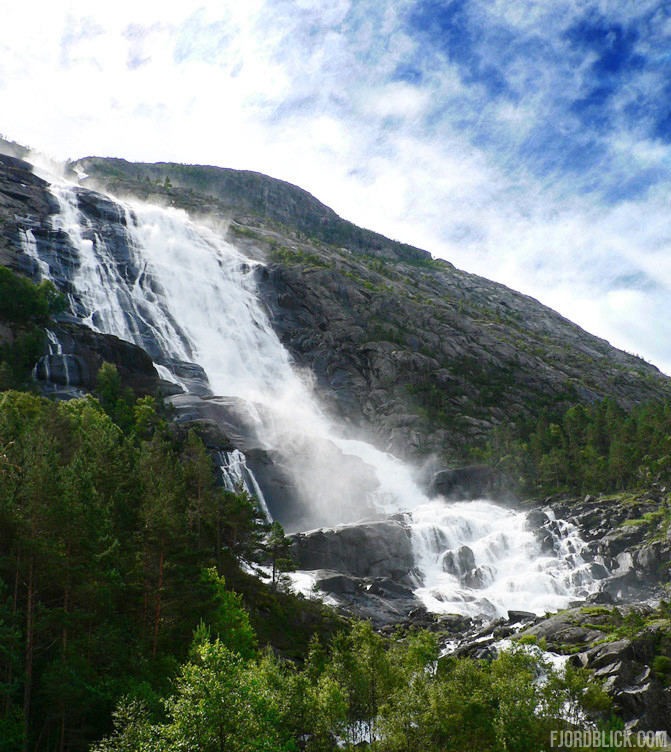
(177, 289)
(237, 476)
(150, 276)
(53, 367)
(29, 245)
(481, 558)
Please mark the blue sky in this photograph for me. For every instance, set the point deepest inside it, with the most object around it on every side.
(526, 141)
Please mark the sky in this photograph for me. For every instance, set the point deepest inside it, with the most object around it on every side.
(528, 141)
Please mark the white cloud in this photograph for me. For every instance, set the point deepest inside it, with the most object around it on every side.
(312, 93)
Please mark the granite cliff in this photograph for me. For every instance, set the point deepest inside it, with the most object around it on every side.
(426, 357)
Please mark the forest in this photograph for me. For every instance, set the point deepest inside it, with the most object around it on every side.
(118, 556)
(129, 619)
(592, 449)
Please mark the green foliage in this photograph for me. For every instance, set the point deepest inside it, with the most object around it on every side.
(116, 541)
(118, 548)
(220, 703)
(18, 357)
(366, 692)
(661, 666)
(295, 256)
(228, 619)
(28, 308)
(22, 301)
(117, 401)
(593, 449)
(278, 550)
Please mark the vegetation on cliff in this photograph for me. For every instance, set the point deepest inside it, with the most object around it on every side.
(597, 448)
(25, 308)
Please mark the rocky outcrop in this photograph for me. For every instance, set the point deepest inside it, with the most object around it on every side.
(627, 648)
(431, 357)
(371, 549)
(250, 198)
(25, 203)
(382, 600)
(628, 539)
(471, 482)
(368, 568)
(77, 353)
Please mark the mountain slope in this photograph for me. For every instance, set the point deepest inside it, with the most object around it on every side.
(428, 357)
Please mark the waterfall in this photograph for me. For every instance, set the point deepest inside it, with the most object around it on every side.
(29, 246)
(237, 476)
(56, 367)
(153, 277)
(481, 558)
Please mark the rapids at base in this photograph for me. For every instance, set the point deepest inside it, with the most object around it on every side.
(477, 557)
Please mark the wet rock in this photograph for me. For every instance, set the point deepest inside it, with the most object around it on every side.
(598, 571)
(339, 584)
(83, 353)
(459, 562)
(374, 549)
(601, 597)
(566, 628)
(191, 375)
(64, 370)
(537, 518)
(25, 203)
(471, 482)
(387, 603)
(521, 616)
(478, 578)
(625, 542)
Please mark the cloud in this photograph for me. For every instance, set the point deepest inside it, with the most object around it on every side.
(526, 141)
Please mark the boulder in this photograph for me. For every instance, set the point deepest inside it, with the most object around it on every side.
(384, 601)
(459, 562)
(521, 616)
(471, 482)
(372, 549)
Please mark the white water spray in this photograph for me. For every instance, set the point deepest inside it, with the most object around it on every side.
(480, 558)
(29, 246)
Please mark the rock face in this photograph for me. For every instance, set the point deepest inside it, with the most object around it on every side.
(78, 353)
(24, 204)
(426, 357)
(372, 549)
(628, 649)
(436, 363)
(385, 602)
(249, 197)
(471, 482)
(368, 567)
